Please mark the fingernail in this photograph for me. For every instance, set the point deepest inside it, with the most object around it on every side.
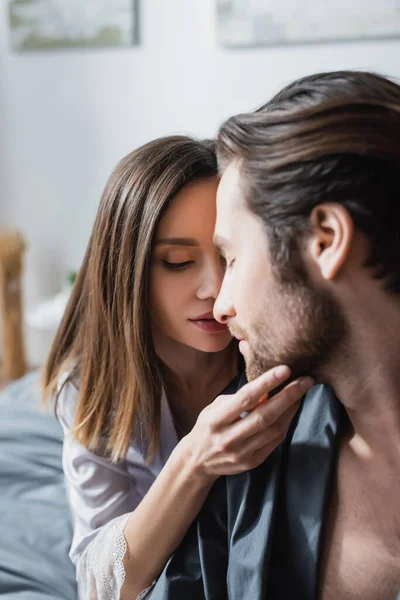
(282, 371)
(263, 398)
(306, 383)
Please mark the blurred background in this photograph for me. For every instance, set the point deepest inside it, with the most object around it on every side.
(69, 112)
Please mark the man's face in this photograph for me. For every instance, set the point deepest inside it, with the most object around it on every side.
(281, 321)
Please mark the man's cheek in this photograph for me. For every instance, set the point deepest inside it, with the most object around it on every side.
(244, 295)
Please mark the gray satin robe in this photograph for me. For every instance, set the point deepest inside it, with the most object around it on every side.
(259, 535)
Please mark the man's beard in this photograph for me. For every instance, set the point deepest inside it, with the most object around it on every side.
(313, 329)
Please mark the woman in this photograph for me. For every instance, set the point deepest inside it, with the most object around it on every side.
(136, 364)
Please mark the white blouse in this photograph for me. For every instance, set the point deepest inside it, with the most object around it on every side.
(102, 495)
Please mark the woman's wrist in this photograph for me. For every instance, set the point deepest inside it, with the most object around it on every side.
(190, 466)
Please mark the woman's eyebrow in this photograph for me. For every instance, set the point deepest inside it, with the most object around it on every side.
(176, 242)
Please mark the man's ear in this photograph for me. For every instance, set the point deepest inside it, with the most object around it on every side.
(333, 230)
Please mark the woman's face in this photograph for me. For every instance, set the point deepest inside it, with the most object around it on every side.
(187, 271)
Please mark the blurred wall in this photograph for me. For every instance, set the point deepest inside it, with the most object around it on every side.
(67, 117)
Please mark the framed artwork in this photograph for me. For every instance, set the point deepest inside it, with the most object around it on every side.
(242, 23)
(53, 24)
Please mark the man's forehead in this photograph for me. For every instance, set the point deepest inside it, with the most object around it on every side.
(230, 193)
(230, 205)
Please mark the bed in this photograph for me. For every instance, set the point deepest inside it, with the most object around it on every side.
(35, 523)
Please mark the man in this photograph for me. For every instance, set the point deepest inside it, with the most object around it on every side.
(317, 192)
(309, 221)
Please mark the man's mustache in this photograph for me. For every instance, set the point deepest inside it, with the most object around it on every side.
(236, 332)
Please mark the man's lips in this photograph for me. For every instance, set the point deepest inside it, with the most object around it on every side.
(239, 336)
(243, 344)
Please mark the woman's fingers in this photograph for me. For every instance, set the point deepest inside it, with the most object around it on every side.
(223, 443)
(227, 409)
(251, 461)
(266, 414)
(274, 435)
(249, 453)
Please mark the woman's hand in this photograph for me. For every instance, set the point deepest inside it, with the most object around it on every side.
(223, 442)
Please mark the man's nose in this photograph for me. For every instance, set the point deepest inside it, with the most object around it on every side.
(223, 307)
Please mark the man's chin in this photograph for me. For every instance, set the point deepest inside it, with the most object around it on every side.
(254, 368)
(251, 373)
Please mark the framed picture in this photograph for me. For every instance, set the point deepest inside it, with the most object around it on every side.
(53, 24)
(243, 23)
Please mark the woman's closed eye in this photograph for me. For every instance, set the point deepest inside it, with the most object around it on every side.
(177, 266)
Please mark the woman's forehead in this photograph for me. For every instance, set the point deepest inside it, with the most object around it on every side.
(192, 212)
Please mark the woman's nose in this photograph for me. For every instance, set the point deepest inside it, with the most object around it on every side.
(211, 281)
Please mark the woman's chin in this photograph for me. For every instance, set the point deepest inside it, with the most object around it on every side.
(211, 342)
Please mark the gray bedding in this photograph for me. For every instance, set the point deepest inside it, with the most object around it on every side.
(35, 525)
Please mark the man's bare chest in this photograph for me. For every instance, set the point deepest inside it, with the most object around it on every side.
(361, 557)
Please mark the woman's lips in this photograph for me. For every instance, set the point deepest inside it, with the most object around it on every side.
(209, 325)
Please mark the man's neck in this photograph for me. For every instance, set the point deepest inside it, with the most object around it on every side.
(366, 378)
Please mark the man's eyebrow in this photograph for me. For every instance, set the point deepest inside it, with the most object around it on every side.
(220, 242)
(176, 242)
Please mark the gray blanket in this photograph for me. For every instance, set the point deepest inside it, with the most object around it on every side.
(35, 526)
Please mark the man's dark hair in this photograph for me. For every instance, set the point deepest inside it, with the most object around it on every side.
(330, 137)
(320, 87)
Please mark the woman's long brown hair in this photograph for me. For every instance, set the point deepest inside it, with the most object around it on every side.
(104, 341)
